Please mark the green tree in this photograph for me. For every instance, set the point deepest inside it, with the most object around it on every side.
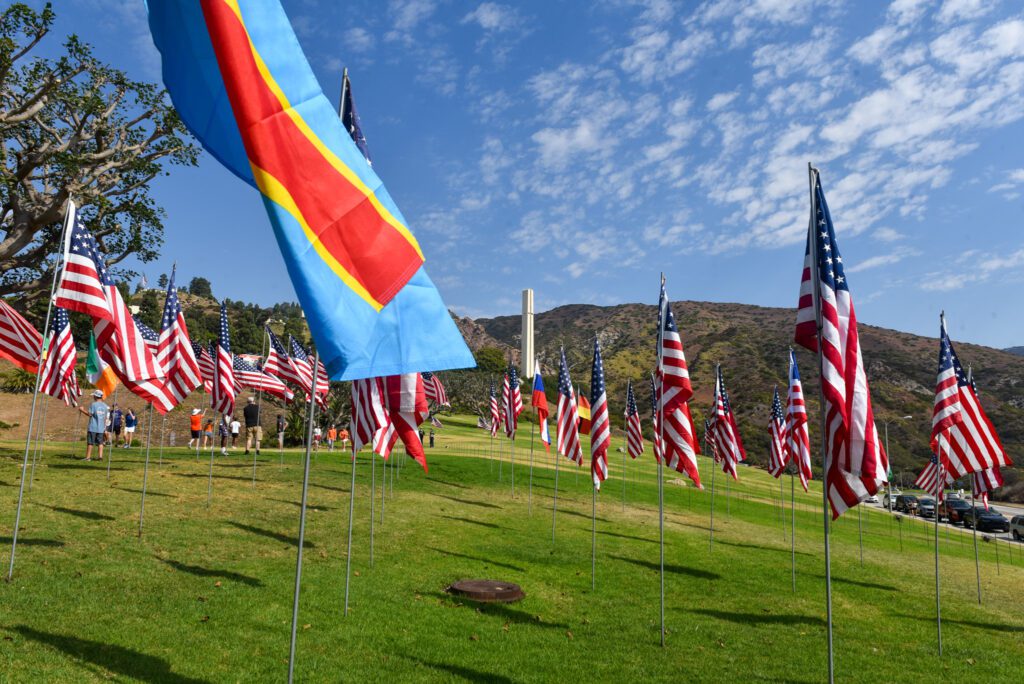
(161, 282)
(75, 127)
(490, 360)
(200, 287)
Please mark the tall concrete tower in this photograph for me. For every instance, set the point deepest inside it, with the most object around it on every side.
(526, 351)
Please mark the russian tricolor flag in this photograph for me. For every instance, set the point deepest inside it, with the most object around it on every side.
(540, 403)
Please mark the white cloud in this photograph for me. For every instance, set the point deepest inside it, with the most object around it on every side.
(955, 10)
(358, 39)
(885, 234)
(977, 270)
(722, 100)
(491, 16)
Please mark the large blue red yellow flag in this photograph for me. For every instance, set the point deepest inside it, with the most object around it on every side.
(240, 82)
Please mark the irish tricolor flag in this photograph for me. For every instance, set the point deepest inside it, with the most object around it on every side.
(101, 376)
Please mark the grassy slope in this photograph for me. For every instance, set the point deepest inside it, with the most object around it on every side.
(206, 594)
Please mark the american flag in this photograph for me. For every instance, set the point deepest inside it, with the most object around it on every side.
(175, 353)
(300, 363)
(84, 280)
(434, 389)
(323, 381)
(777, 435)
(407, 404)
(724, 430)
(279, 363)
(248, 375)
(961, 432)
(568, 423)
(634, 434)
(798, 440)
(58, 371)
(149, 336)
(512, 402)
(679, 439)
(709, 440)
(435, 421)
(20, 343)
(370, 419)
(350, 119)
(223, 397)
(857, 463)
(600, 426)
(984, 481)
(928, 480)
(656, 441)
(495, 413)
(206, 365)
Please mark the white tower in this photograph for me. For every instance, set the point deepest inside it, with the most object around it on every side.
(526, 351)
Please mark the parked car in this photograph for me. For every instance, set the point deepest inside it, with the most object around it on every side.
(1017, 527)
(885, 497)
(871, 499)
(926, 507)
(906, 503)
(953, 510)
(986, 521)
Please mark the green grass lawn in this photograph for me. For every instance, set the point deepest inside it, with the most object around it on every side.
(206, 594)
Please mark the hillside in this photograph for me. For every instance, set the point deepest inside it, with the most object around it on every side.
(1019, 351)
(751, 343)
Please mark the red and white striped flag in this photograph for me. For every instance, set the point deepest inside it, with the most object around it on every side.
(495, 412)
(371, 423)
(206, 365)
(248, 375)
(407, 406)
(777, 437)
(857, 462)
(600, 425)
(434, 389)
(20, 343)
(985, 481)
(83, 280)
(175, 353)
(928, 480)
(675, 424)
(512, 402)
(798, 440)
(302, 366)
(223, 397)
(58, 373)
(568, 428)
(962, 434)
(634, 433)
(726, 435)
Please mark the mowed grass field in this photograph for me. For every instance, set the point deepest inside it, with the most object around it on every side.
(206, 594)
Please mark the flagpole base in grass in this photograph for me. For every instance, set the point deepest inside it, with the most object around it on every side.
(487, 591)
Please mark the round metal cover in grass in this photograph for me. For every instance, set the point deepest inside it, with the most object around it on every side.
(487, 591)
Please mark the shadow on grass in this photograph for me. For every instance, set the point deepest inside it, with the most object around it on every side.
(738, 545)
(994, 627)
(860, 583)
(627, 536)
(343, 490)
(500, 610)
(149, 492)
(447, 484)
(760, 618)
(88, 515)
(269, 534)
(669, 567)
(199, 571)
(92, 465)
(487, 561)
(562, 511)
(119, 659)
(469, 674)
(312, 507)
(482, 504)
(206, 476)
(474, 522)
(29, 541)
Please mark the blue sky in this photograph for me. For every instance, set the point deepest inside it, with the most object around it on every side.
(579, 148)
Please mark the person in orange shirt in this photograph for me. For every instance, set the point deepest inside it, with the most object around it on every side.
(195, 423)
(332, 434)
(344, 437)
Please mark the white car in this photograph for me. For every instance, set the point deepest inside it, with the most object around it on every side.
(872, 499)
(1017, 527)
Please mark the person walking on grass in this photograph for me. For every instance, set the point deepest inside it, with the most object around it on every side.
(253, 430)
(116, 420)
(224, 429)
(317, 434)
(195, 423)
(208, 433)
(97, 414)
(236, 427)
(332, 435)
(130, 422)
(282, 425)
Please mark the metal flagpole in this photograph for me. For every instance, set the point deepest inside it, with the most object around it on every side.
(782, 508)
(625, 450)
(816, 294)
(383, 486)
(351, 516)
(40, 433)
(974, 522)
(259, 401)
(209, 486)
(302, 535)
(792, 526)
(512, 462)
(74, 440)
(373, 489)
(35, 399)
(490, 455)
(711, 537)
(501, 448)
(163, 435)
(554, 500)
(660, 458)
(860, 533)
(938, 606)
(529, 496)
(728, 491)
(593, 539)
(145, 469)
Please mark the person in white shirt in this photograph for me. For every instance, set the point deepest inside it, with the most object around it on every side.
(236, 427)
(317, 434)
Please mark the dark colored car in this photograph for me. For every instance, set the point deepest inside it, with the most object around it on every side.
(953, 510)
(906, 503)
(926, 507)
(986, 521)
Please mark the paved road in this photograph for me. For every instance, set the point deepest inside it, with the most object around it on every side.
(1008, 511)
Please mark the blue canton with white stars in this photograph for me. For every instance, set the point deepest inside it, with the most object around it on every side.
(564, 382)
(225, 338)
(60, 321)
(596, 376)
(278, 347)
(631, 409)
(654, 398)
(172, 307)
(777, 408)
(725, 392)
(147, 333)
(830, 262)
(297, 350)
(84, 244)
(948, 359)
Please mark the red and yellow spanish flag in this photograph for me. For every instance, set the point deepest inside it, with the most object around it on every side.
(240, 82)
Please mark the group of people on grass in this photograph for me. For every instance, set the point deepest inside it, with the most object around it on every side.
(108, 425)
(229, 428)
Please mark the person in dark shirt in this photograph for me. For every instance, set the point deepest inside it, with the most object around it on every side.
(282, 425)
(130, 422)
(253, 430)
(115, 424)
